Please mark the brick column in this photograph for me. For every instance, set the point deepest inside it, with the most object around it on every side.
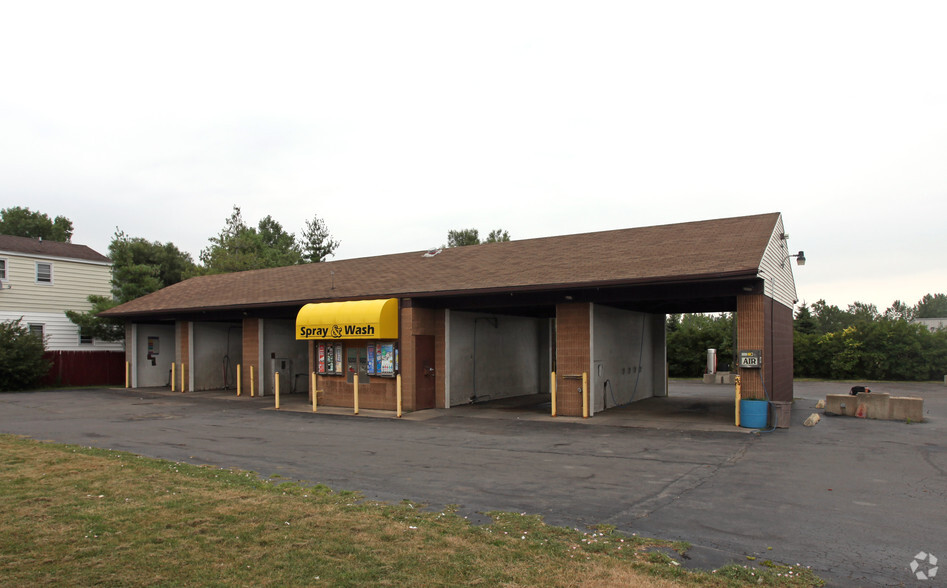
(765, 324)
(573, 355)
(251, 355)
(751, 334)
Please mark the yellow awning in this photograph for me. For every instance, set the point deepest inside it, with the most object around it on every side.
(358, 319)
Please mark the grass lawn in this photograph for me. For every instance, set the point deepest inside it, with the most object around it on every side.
(77, 516)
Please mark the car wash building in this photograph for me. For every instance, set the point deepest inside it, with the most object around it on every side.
(476, 323)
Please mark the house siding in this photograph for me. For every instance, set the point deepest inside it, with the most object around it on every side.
(45, 304)
(776, 268)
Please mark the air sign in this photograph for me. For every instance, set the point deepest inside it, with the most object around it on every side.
(751, 359)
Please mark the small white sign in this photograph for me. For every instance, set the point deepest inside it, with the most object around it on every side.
(751, 359)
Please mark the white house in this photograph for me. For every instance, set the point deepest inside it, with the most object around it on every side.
(933, 323)
(40, 280)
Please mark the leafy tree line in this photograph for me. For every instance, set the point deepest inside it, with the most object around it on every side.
(857, 343)
(140, 266)
(689, 336)
(863, 343)
(464, 237)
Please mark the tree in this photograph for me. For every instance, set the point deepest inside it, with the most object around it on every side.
(22, 364)
(862, 312)
(687, 344)
(23, 222)
(899, 311)
(497, 236)
(317, 244)
(830, 318)
(463, 237)
(804, 321)
(105, 329)
(139, 267)
(240, 247)
(277, 247)
(931, 306)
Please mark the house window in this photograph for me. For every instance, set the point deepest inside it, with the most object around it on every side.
(44, 273)
(37, 329)
(3, 269)
(85, 338)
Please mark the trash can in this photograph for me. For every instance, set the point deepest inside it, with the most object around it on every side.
(753, 413)
(782, 413)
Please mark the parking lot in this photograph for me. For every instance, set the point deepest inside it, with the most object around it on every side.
(854, 499)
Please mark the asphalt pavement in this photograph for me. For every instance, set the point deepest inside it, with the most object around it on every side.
(854, 499)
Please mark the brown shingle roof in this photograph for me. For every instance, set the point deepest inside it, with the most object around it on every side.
(46, 248)
(666, 253)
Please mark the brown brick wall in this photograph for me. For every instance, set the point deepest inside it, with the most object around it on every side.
(767, 325)
(251, 355)
(440, 357)
(782, 353)
(420, 321)
(751, 334)
(573, 355)
(184, 346)
(378, 393)
(406, 356)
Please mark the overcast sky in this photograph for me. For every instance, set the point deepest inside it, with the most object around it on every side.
(396, 121)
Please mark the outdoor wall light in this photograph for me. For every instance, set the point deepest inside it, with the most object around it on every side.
(800, 258)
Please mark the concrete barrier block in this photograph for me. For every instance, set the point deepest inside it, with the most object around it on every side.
(872, 406)
(709, 378)
(840, 404)
(904, 408)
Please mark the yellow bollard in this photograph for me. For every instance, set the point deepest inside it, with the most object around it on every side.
(238, 379)
(183, 369)
(355, 380)
(276, 383)
(398, 393)
(585, 395)
(172, 376)
(315, 392)
(552, 392)
(739, 390)
(251, 382)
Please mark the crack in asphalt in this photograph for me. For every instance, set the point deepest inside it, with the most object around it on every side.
(673, 491)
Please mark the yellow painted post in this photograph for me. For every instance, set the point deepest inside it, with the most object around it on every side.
(251, 382)
(398, 393)
(276, 383)
(355, 380)
(552, 391)
(737, 409)
(238, 380)
(585, 395)
(315, 392)
(183, 369)
(172, 376)
(127, 374)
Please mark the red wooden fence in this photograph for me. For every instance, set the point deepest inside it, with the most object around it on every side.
(85, 368)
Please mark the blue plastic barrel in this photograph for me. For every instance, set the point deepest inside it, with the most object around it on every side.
(753, 413)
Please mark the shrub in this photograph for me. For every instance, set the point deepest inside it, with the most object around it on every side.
(21, 357)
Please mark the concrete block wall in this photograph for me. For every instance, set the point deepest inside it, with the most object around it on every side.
(875, 406)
